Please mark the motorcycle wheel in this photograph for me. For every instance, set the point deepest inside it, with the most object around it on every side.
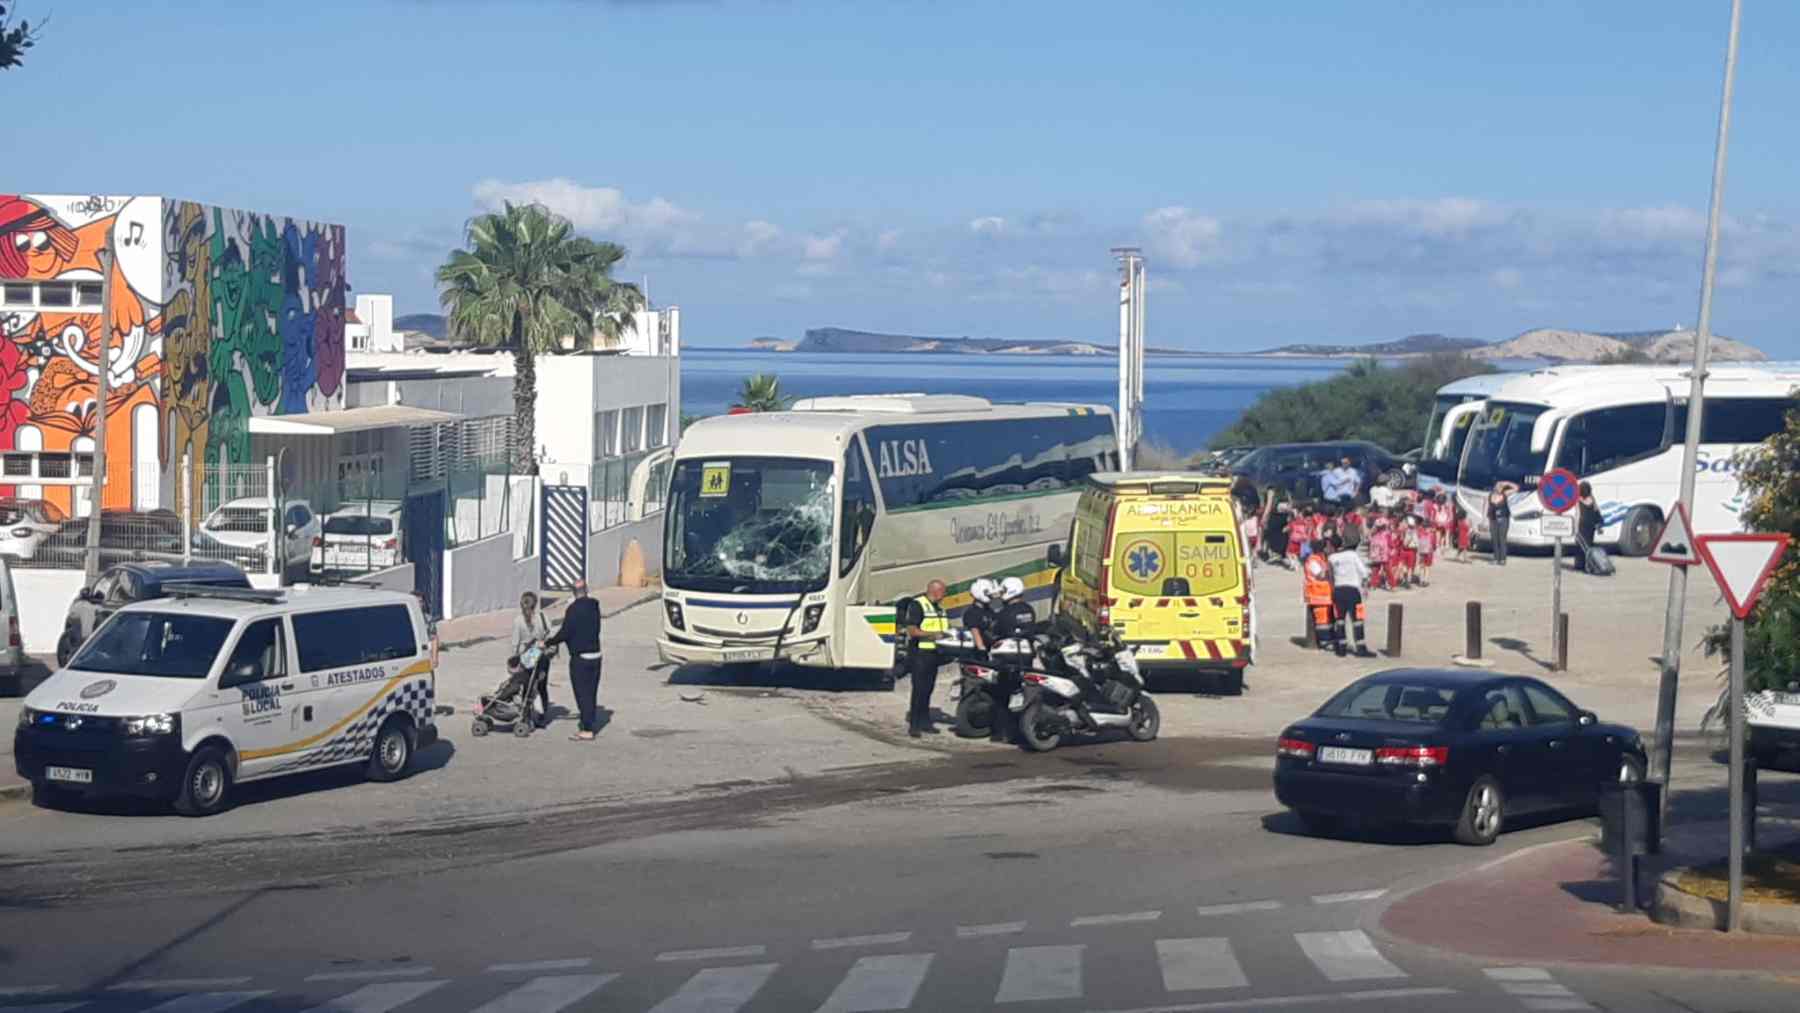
(1146, 720)
(974, 714)
(1038, 729)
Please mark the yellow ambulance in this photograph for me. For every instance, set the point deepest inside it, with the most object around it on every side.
(1160, 557)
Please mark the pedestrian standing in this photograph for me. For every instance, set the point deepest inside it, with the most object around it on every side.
(1462, 534)
(920, 622)
(1588, 523)
(1381, 547)
(529, 631)
(1499, 518)
(1428, 544)
(580, 632)
(1316, 587)
(1350, 581)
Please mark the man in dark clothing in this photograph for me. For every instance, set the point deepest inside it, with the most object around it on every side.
(580, 630)
(1587, 525)
(919, 622)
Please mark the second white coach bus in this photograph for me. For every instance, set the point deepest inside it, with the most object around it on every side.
(1621, 428)
(1453, 414)
(791, 534)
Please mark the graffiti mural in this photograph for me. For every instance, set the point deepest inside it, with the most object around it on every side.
(218, 316)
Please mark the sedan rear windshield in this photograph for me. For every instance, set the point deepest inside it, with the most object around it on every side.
(356, 524)
(1390, 701)
(166, 644)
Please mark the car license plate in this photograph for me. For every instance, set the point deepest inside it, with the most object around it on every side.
(733, 657)
(1352, 757)
(73, 775)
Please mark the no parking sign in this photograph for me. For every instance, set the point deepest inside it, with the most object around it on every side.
(1559, 490)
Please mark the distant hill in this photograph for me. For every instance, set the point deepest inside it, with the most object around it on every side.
(1412, 344)
(426, 323)
(1590, 346)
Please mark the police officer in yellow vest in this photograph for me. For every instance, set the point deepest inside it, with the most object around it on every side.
(921, 621)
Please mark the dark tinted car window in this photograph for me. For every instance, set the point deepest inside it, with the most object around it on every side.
(344, 637)
(1390, 701)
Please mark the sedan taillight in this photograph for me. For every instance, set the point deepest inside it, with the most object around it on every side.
(1299, 749)
(1413, 756)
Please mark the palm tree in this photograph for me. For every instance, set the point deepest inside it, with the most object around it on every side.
(762, 393)
(616, 318)
(526, 282)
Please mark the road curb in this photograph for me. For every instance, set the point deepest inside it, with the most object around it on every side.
(1680, 909)
(20, 790)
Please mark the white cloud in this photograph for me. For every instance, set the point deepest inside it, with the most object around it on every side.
(825, 247)
(888, 241)
(1439, 216)
(1184, 236)
(988, 225)
(758, 236)
(590, 208)
(1506, 278)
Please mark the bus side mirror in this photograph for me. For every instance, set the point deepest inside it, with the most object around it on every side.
(1054, 555)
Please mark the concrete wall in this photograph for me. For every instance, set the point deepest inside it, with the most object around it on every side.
(607, 548)
(44, 597)
(482, 577)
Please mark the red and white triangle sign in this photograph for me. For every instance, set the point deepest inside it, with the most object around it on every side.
(1675, 542)
(1742, 565)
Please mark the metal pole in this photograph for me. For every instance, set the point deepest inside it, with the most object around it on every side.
(187, 508)
(1131, 353)
(1671, 649)
(1734, 896)
(274, 514)
(97, 491)
(1556, 600)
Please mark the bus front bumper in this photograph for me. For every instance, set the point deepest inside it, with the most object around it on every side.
(682, 652)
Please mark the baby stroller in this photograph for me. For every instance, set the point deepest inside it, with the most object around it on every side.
(512, 702)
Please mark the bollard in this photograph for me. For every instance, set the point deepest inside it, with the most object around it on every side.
(1562, 642)
(1396, 619)
(1306, 629)
(1472, 648)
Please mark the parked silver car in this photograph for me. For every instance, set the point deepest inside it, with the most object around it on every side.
(25, 524)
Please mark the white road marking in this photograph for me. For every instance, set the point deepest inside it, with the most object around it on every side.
(716, 953)
(1118, 919)
(175, 984)
(574, 964)
(887, 982)
(1199, 963)
(547, 995)
(1347, 898)
(378, 998)
(1235, 909)
(1041, 972)
(376, 975)
(1557, 1004)
(996, 929)
(1541, 989)
(1346, 956)
(207, 1002)
(718, 990)
(845, 942)
(1372, 995)
(1517, 974)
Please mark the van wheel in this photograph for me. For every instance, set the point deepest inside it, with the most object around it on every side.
(393, 751)
(1639, 530)
(206, 786)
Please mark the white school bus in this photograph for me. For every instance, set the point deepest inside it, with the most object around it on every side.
(789, 535)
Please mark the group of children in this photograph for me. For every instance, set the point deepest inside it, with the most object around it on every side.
(1402, 538)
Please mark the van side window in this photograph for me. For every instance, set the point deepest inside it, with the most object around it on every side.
(263, 648)
(344, 637)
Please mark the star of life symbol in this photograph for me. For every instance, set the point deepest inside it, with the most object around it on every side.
(1143, 560)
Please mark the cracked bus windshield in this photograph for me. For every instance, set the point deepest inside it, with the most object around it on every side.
(751, 525)
(1500, 446)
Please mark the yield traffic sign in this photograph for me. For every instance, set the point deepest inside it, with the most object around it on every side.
(1742, 565)
(1559, 490)
(1675, 543)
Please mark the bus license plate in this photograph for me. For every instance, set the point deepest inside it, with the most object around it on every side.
(1352, 757)
(734, 657)
(73, 775)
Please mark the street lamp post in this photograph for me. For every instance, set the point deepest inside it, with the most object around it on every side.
(1131, 353)
(97, 494)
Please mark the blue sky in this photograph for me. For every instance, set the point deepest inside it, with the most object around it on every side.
(1294, 171)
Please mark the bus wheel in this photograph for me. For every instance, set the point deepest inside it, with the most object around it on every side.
(1640, 529)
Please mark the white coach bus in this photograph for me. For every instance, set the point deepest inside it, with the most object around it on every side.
(1453, 414)
(1621, 428)
(791, 534)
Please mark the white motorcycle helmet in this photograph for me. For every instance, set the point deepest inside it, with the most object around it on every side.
(983, 590)
(1011, 588)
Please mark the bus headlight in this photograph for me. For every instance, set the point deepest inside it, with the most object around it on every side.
(150, 724)
(810, 620)
(675, 617)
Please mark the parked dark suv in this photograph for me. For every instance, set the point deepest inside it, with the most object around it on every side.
(130, 582)
(1295, 468)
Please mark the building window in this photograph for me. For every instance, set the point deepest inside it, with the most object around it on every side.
(634, 429)
(606, 434)
(56, 293)
(88, 293)
(21, 295)
(656, 426)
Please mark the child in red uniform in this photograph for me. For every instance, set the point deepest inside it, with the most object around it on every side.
(1409, 549)
(1381, 548)
(1427, 553)
(1462, 534)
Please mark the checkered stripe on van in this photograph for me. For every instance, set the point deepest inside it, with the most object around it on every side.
(357, 739)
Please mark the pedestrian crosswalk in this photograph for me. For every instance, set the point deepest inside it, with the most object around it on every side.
(829, 979)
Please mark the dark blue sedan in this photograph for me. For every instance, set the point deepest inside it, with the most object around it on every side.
(1449, 747)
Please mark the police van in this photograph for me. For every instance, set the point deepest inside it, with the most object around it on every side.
(183, 698)
(1160, 558)
(1774, 720)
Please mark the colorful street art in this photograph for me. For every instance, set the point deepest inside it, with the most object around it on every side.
(217, 316)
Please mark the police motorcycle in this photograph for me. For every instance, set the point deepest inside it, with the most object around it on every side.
(1091, 684)
(977, 680)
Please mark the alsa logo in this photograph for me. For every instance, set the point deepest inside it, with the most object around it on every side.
(900, 458)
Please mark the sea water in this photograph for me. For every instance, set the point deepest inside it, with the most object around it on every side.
(1186, 399)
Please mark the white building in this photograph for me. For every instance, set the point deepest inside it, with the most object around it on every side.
(370, 327)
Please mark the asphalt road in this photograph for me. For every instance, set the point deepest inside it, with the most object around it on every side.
(1108, 877)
